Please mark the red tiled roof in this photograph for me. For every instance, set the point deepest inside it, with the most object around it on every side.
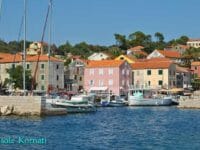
(195, 63)
(192, 40)
(184, 46)
(104, 63)
(170, 53)
(151, 64)
(42, 58)
(11, 58)
(161, 59)
(136, 48)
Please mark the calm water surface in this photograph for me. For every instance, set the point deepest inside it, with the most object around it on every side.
(109, 128)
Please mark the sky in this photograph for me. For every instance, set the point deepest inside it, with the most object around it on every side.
(96, 21)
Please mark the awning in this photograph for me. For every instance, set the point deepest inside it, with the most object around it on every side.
(102, 88)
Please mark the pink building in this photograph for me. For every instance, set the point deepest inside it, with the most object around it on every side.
(195, 67)
(108, 75)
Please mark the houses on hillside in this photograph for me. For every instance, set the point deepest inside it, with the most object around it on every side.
(98, 56)
(195, 67)
(173, 55)
(193, 43)
(159, 69)
(179, 48)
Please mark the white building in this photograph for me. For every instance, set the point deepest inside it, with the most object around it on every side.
(98, 56)
(193, 43)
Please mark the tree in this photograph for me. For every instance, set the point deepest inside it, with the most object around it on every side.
(160, 43)
(182, 40)
(114, 51)
(121, 41)
(159, 36)
(65, 48)
(191, 54)
(16, 77)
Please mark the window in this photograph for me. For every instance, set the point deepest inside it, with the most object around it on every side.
(195, 68)
(160, 82)
(100, 71)
(123, 71)
(42, 87)
(13, 66)
(127, 82)
(110, 82)
(149, 83)
(100, 83)
(57, 77)
(160, 72)
(91, 82)
(127, 72)
(91, 71)
(148, 72)
(110, 71)
(27, 66)
(138, 72)
(42, 66)
(57, 66)
(75, 77)
(123, 83)
(42, 77)
(80, 78)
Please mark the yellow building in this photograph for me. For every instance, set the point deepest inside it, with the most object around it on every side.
(154, 74)
(129, 59)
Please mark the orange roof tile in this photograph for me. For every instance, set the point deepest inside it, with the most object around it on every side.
(42, 58)
(170, 53)
(11, 58)
(160, 59)
(184, 46)
(136, 48)
(195, 63)
(104, 63)
(192, 40)
(151, 64)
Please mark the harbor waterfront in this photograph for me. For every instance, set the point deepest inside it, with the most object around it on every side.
(108, 128)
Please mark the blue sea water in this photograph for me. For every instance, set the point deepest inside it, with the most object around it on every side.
(109, 128)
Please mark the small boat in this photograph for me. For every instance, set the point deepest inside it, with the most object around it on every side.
(138, 98)
(113, 101)
(77, 104)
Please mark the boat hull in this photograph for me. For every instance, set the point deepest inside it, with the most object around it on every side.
(150, 102)
(76, 109)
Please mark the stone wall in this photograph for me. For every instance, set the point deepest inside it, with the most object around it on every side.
(24, 105)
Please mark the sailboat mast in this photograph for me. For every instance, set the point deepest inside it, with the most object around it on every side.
(49, 45)
(0, 8)
(24, 51)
